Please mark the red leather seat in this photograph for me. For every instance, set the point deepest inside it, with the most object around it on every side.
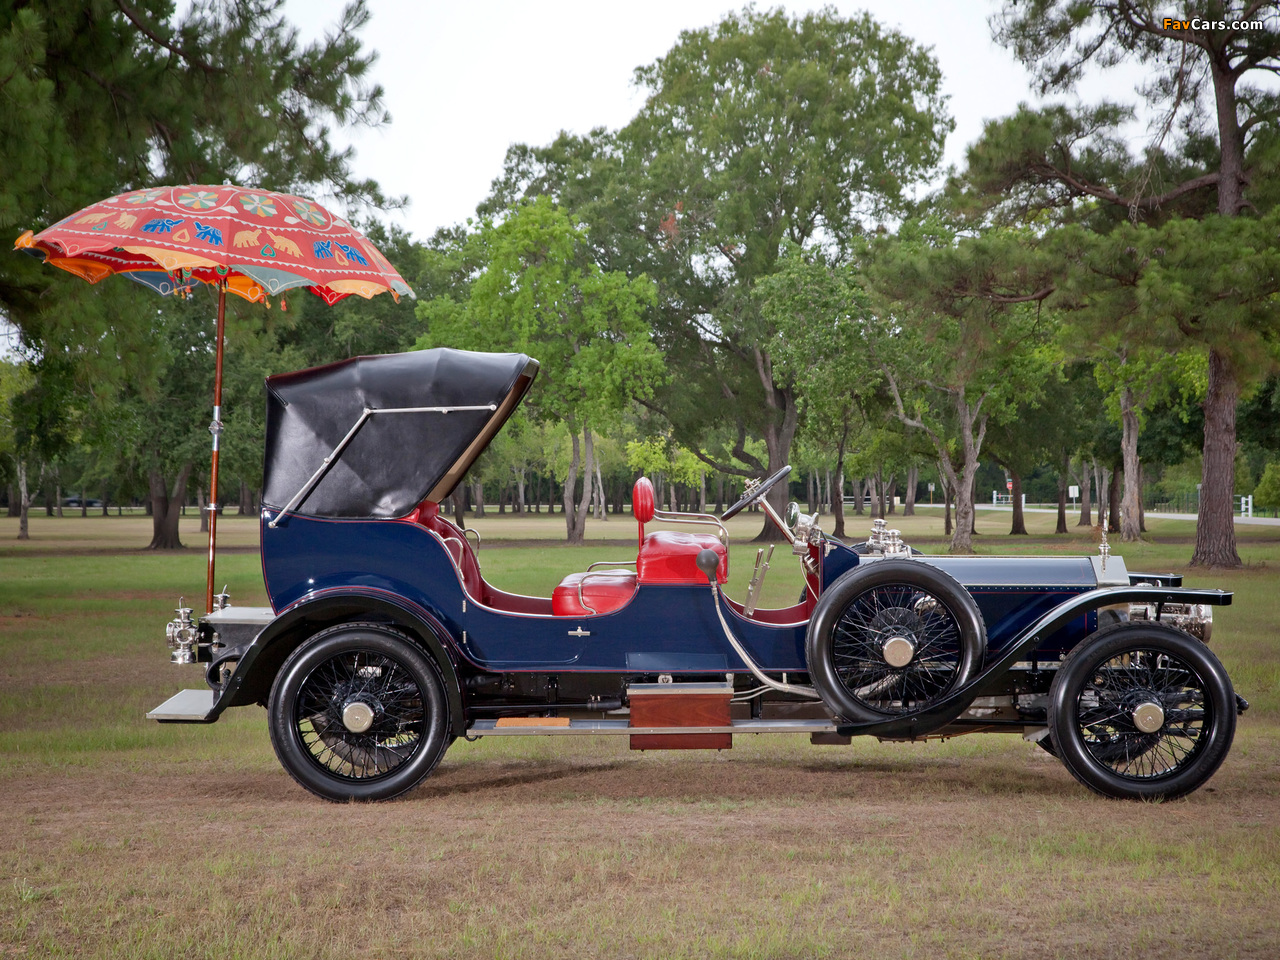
(665, 557)
(604, 592)
(670, 557)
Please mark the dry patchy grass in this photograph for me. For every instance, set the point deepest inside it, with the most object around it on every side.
(122, 838)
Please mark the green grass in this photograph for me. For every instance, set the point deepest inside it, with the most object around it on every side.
(128, 839)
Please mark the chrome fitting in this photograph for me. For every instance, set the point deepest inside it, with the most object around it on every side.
(1193, 618)
(222, 600)
(181, 636)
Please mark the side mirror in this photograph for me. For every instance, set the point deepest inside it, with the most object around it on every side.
(793, 514)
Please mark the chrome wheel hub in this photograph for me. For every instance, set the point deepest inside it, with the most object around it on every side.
(357, 716)
(898, 652)
(1148, 717)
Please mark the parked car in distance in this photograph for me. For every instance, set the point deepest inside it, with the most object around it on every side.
(76, 501)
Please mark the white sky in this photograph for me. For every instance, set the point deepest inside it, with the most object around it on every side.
(465, 80)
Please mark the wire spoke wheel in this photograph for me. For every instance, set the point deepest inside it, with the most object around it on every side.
(878, 617)
(386, 688)
(1105, 713)
(892, 637)
(359, 712)
(1142, 712)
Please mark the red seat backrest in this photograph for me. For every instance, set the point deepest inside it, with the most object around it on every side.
(642, 504)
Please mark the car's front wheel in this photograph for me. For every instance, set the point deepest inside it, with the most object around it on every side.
(891, 637)
(359, 712)
(1142, 712)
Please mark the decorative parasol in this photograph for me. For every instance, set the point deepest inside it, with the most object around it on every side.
(253, 243)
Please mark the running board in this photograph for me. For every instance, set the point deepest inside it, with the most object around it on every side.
(619, 728)
(189, 706)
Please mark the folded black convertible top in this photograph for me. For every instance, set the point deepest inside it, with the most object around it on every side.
(399, 455)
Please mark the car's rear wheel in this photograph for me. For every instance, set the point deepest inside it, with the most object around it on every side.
(892, 637)
(1142, 712)
(359, 712)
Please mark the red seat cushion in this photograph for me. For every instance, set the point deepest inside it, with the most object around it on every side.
(604, 592)
(670, 557)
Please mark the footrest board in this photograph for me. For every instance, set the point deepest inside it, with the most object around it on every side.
(187, 706)
(680, 705)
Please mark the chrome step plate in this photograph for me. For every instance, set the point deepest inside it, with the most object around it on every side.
(189, 706)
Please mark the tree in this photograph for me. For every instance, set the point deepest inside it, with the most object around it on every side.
(1153, 292)
(1201, 85)
(821, 317)
(539, 293)
(104, 97)
(760, 129)
(961, 341)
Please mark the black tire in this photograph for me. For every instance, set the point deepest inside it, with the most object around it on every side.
(871, 605)
(381, 668)
(1095, 699)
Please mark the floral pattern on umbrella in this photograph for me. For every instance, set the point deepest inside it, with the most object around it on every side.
(203, 228)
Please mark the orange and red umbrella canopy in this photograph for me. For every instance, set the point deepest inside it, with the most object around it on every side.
(257, 242)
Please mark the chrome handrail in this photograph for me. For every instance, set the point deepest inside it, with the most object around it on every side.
(703, 519)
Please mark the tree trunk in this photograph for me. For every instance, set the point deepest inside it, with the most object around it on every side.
(104, 499)
(1142, 510)
(719, 494)
(202, 507)
(1101, 483)
(779, 434)
(27, 495)
(601, 512)
(913, 481)
(1063, 477)
(1086, 500)
(1113, 503)
(1019, 527)
(570, 483)
(946, 505)
(584, 504)
(459, 500)
(858, 493)
(877, 502)
(166, 508)
(519, 505)
(1129, 529)
(15, 508)
(1215, 525)
(84, 501)
(891, 494)
(837, 499)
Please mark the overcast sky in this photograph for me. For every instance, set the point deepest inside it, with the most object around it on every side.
(465, 80)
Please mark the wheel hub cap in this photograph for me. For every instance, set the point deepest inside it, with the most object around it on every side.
(1148, 717)
(898, 652)
(357, 716)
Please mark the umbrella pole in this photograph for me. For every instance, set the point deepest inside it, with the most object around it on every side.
(215, 428)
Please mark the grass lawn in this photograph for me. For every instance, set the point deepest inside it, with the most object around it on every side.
(124, 838)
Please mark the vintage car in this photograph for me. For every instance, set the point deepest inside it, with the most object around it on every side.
(384, 642)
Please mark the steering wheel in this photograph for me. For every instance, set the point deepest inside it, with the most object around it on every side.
(752, 496)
